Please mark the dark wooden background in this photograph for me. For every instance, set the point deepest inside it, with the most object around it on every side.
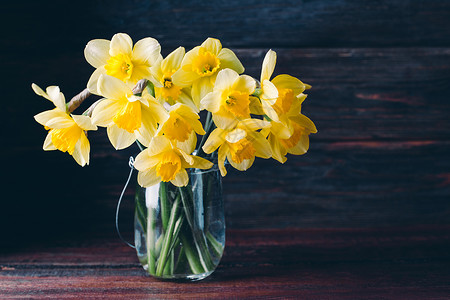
(380, 72)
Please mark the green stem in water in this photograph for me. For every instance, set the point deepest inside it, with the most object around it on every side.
(168, 237)
(165, 205)
(197, 234)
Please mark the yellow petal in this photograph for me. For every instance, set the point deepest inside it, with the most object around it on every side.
(200, 88)
(301, 147)
(121, 43)
(253, 124)
(222, 155)
(39, 91)
(184, 76)
(113, 88)
(187, 100)
(120, 138)
(189, 144)
(148, 178)
(93, 80)
(212, 45)
(225, 79)
(144, 161)
(190, 56)
(96, 52)
(215, 139)
(201, 163)
(229, 60)
(305, 122)
(173, 61)
(225, 121)
(261, 145)
(146, 51)
(268, 65)
(269, 111)
(84, 122)
(285, 81)
(104, 112)
(48, 145)
(181, 179)
(242, 166)
(236, 135)
(244, 84)
(45, 116)
(158, 144)
(278, 152)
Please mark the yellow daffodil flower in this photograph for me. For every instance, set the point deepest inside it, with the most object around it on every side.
(161, 161)
(126, 116)
(239, 145)
(182, 127)
(66, 132)
(118, 58)
(281, 96)
(229, 101)
(168, 91)
(297, 143)
(200, 66)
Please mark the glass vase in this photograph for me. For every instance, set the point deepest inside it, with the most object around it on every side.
(180, 231)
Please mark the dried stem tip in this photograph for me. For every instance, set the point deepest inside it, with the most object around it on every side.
(77, 100)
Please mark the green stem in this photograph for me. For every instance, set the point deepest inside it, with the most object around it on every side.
(215, 245)
(191, 255)
(197, 234)
(165, 205)
(168, 238)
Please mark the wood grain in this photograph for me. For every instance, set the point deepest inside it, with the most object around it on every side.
(409, 262)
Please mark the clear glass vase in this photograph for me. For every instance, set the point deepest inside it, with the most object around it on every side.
(180, 231)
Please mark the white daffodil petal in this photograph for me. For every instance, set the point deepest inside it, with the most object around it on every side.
(120, 138)
(93, 80)
(96, 52)
(270, 92)
(184, 76)
(253, 124)
(146, 51)
(60, 122)
(236, 135)
(112, 88)
(212, 45)
(57, 97)
(48, 145)
(45, 116)
(39, 91)
(84, 122)
(104, 112)
(211, 102)
(121, 43)
(225, 79)
(268, 65)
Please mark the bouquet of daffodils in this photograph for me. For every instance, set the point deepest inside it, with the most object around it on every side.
(156, 103)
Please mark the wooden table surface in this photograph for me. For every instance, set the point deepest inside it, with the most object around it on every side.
(390, 263)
